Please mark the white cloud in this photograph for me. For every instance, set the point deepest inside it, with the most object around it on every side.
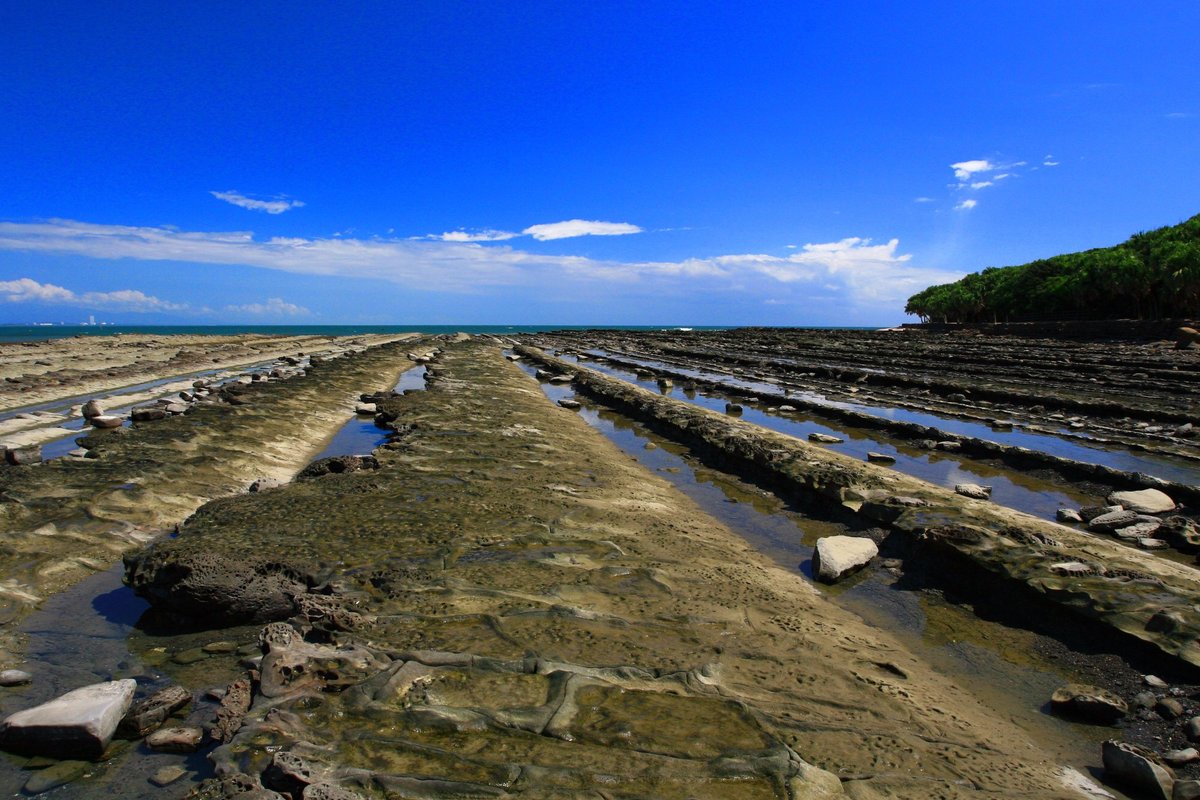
(963, 170)
(277, 205)
(1049, 161)
(923, 200)
(25, 290)
(275, 307)
(579, 227)
(867, 273)
(966, 205)
(485, 235)
(981, 184)
(1179, 115)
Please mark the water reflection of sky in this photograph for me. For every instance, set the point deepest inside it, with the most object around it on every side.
(1160, 466)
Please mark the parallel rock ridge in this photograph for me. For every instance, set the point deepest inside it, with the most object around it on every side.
(507, 605)
(1119, 586)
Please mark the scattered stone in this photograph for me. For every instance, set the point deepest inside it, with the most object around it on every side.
(1138, 530)
(881, 458)
(366, 409)
(176, 408)
(330, 791)
(1185, 337)
(1090, 703)
(107, 421)
(1149, 543)
(1067, 515)
(234, 705)
(1144, 700)
(1178, 758)
(1089, 513)
(14, 677)
(1185, 431)
(91, 409)
(184, 739)
(192, 655)
(838, 556)
(150, 713)
(1186, 790)
(561, 378)
(824, 438)
(1144, 501)
(1169, 708)
(570, 404)
(1192, 728)
(1154, 682)
(1106, 523)
(1182, 533)
(78, 723)
(55, 775)
(733, 408)
(148, 414)
(218, 648)
(336, 465)
(973, 490)
(23, 456)
(1138, 769)
(167, 775)
(949, 447)
(262, 484)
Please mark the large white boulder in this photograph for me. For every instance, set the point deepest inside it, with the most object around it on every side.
(1144, 501)
(838, 556)
(78, 724)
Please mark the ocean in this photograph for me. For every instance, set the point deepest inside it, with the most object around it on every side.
(25, 333)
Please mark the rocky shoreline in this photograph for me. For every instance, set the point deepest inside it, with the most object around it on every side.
(498, 602)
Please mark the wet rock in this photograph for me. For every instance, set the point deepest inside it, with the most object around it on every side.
(366, 409)
(1144, 501)
(23, 456)
(192, 655)
(1138, 530)
(1067, 515)
(949, 447)
(330, 791)
(881, 458)
(209, 587)
(1149, 543)
(1154, 682)
(183, 739)
(55, 775)
(219, 648)
(1185, 431)
(176, 408)
(14, 677)
(1144, 700)
(733, 408)
(150, 713)
(1138, 769)
(838, 556)
(291, 774)
(237, 786)
(234, 705)
(1181, 532)
(91, 409)
(337, 465)
(570, 404)
(167, 775)
(1089, 703)
(824, 438)
(973, 490)
(148, 414)
(107, 421)
(561, 379)
(1106, 523)
(79, 723)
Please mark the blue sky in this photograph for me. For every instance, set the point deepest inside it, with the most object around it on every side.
(574, 163)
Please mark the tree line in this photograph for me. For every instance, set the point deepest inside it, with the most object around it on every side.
(1153, 275)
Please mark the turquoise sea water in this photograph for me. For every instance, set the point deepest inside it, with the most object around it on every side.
(23, 333)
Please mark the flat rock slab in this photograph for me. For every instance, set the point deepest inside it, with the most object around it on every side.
(78, 724)
(1145, 501)
(973, 490)
(838, 556)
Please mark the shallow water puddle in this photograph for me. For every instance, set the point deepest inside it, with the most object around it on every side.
(996, 663)
(360, 435)
(1160, 466)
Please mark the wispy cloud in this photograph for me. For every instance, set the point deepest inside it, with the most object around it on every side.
(274, 307)
(486, 235)
(27, 290)
(866, 272)
(981, 184)
(966, 205)
(1179, 115)
(1049, 161)
(276, 205)
(924, 200)
(571, 228)
(963, 170)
